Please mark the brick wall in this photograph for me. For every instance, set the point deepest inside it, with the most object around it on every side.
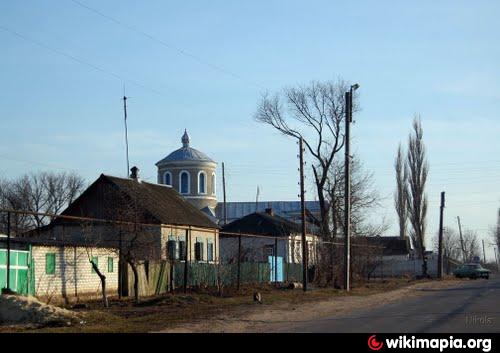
(73, 273)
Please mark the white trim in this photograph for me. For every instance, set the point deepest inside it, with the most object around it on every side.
(165, 178)
(200, 197)
(180, 182)
(214, 183)
(198, 182)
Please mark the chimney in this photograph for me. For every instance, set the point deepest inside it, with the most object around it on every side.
(134, 173)
(270, 211)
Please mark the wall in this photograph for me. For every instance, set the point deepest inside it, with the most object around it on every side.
(209, 235)
(73, 275)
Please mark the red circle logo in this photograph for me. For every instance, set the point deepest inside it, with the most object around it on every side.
(373, 344)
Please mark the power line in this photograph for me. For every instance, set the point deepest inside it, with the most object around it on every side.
(78, 60)
(167, 45)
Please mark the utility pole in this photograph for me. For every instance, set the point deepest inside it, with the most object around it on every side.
(461, 239)
(303, 216)
(8, 253)
(440, 249)
(347, 190)
(496, 257)
(224, 193)
(126, 132)
(484, 254)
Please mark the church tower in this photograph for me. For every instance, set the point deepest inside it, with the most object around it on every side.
(192, 174)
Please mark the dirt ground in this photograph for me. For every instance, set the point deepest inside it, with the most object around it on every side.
(234, 312)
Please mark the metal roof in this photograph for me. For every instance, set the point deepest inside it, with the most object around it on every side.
(186, 153)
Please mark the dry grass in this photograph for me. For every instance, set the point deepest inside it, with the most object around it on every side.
(165, 311)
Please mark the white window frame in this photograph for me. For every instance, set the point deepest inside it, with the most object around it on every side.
(205, 175)
(180, 182)
(165, 178)
(214, 183)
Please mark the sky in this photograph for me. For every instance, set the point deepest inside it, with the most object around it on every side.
(204, 66)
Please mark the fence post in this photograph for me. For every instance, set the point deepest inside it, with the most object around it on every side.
(276, 261)
(239, 262)
(188, 249)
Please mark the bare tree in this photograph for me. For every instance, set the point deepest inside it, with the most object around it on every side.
(418, 168)
(314, 113)
(472, 246)
(42, 192)
(400, 194)
(364, 198)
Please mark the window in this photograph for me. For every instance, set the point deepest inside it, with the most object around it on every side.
(202, 183)
(172, 250)
(110, 265)
(213, 184)
(198, 251)
(184, 183)
(167, 178)
(95, 260)
(210, 251)
(182, 250)
(50, 263)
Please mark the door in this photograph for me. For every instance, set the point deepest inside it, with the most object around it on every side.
(278, 261)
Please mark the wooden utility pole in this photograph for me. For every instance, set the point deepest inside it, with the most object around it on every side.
(347, 194)
(8, 253)
(126, 132)
(303, 216)
(224, 192)
(186, 258)
(484, 253)
(239, 262)
(440, 247)
(461, 239)
(496, 257)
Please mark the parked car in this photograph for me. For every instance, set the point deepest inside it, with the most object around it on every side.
(472, 271)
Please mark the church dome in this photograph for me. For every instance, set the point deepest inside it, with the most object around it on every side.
(186, 153)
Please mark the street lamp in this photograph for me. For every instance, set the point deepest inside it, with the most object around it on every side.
(347, 177)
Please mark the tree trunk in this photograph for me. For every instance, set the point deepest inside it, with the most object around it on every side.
(103, 284)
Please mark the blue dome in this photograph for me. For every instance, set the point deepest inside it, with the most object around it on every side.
(186, 153)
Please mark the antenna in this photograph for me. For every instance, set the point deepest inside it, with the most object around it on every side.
(126, 131)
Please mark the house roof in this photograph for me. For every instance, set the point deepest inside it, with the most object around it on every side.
(286, 209)
(163, 203)
(262, 224)
(392, 245)
(53, 242)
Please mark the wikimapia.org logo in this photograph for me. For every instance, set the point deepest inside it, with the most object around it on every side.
(404, 342)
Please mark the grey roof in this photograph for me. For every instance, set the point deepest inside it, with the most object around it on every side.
(263, 224)
(286, 209)
(186, 153)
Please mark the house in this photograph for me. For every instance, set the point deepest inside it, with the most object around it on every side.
(47, 268)
(265, 235)
(391, 247)
(148, 223)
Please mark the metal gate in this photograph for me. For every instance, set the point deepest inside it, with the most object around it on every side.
(19, 270)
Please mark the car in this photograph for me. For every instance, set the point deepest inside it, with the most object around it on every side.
(473, 271)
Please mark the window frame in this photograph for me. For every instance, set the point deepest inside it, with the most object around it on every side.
(188, 182)
(214, 183)
(92, 258)
(111, 261)
(165, 178)
(200, 173)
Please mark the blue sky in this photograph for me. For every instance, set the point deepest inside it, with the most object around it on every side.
(438, 59)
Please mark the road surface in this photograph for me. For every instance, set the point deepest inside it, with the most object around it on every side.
(467, 306)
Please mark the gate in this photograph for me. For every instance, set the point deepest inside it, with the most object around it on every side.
(18, 279)
(278, 261)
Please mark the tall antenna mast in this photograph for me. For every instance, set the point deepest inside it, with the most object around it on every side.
(126, 131)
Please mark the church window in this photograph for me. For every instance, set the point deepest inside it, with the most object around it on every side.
(184, 182)
(202, 183)
(167, 179)
(213, 184)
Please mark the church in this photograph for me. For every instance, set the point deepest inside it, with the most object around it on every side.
(193, 174)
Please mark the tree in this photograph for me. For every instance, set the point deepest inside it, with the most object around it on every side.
(416, 200)
(42, 192)
(364, 198)
(400, 202)
(314, 113)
